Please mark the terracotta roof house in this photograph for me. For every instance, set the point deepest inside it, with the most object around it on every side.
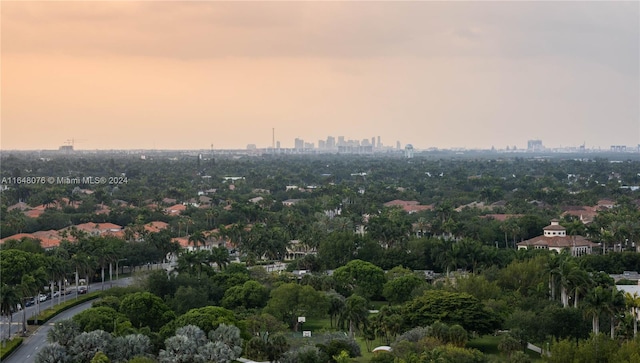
(585, 213)
(169, 201)
(20, 205)
(100, 229)
(33, 213)
(48, 239)
(156, 226)
(555, 238)
(17, 237)
(409, 206)
(175, 209)
(606, 204)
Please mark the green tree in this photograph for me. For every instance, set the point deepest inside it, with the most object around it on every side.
(290, 301)
(450, 308)
(633, 304)
(206, 318)
(63, 332)
(355, 313)
(361, 278)
(53, 353)
(100, 318)
(250, 295)
(88, 344)
(146, 309)
(400, 289)
(9, 300)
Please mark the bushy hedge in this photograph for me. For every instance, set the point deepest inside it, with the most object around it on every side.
(49, 313)
(11, 345)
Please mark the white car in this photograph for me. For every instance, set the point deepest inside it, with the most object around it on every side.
(42, 298)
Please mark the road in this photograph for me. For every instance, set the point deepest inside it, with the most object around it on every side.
(26, 353)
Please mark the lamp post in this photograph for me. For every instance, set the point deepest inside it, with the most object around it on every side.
(117, 262)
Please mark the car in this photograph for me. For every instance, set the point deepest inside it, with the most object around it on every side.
(29, 302)
(82, 290)
(42, 298)
(56, 293)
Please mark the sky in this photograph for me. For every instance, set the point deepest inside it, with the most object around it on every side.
(202, 74)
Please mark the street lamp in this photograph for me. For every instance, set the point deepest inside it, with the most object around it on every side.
(118, 261)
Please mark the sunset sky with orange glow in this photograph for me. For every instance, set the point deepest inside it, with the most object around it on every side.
(191, 74)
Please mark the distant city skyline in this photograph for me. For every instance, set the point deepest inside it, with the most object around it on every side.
(195, 75)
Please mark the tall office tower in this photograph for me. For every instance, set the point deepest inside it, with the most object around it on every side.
(373, 141)
(364, 142)
(398, 145)
(322, 144)
(331, 142)
(340, 140)
(534, 145)
(298, 144)
(379, 144)
(277, 144)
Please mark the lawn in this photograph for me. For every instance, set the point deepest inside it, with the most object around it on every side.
(324, 325)
(488, 344)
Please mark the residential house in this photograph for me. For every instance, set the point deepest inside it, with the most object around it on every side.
(101, 229)
(586, 213)
(290, 202)
(156, 226)
(297, 249)
(48, 239)
(409, 206)
(175, 209)
(555, 238)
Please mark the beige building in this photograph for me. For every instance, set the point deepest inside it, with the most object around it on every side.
(555, 238)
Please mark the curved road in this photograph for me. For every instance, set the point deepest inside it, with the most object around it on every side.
(26, 353)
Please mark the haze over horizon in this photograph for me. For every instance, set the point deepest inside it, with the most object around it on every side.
(188, 75)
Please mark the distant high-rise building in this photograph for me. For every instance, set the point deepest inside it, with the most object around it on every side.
(340, 140)
(398, 145)
(373, 141)
(322, 144)
(365, 142)
(331, 142)
(534, 145)
(277, 144)
(408, 151)
(379, 144)
(298, 144)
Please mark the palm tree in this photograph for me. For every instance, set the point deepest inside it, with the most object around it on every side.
(9, 300)
(553, 269)
(188, 222)
(596, 303)
(30, 286)
(354, 313)
(219, 256)
(197, 238)
(633, 304)
(57, 271)
(615, 305)
(570, 275)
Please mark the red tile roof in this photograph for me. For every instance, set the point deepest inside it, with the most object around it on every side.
(156, 226)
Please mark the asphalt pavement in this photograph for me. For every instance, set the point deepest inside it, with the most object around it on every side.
(27, 351)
